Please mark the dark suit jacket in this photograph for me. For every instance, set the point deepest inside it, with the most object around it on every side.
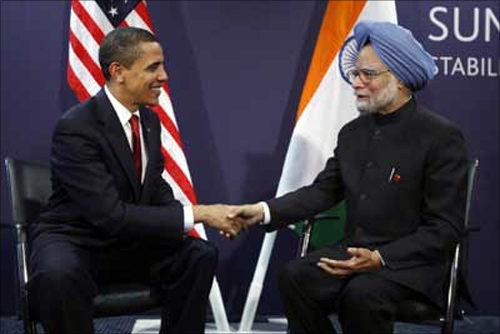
(97, 199)
(413, 221)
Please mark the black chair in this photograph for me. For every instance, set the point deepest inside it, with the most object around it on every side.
(420, 311)
(29, 186)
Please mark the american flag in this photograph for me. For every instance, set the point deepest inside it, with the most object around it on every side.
(90, 21)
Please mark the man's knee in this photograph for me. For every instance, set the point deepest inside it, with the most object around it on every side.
(290, 273)
(58, 277)
(56, 270)
(360, 293)
(206, 252)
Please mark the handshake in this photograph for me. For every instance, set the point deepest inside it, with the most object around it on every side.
(229, 219)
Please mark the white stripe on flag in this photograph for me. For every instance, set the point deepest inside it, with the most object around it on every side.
(175, 152)
(315, 134)
(178, 193)
(134, 20)
(166, 104)
(82, 73)
(81, 32)
(100, 19)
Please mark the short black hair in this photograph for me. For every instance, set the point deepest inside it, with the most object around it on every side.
(122, 45)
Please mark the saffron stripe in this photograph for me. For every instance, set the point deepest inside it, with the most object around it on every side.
(338, 20)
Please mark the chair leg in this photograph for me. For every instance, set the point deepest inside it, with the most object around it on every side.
(29, 326)
(28, 323)
(448, 326)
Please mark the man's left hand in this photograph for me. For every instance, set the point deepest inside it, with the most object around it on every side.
(362, 260)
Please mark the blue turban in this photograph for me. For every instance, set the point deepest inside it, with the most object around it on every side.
(398, 50)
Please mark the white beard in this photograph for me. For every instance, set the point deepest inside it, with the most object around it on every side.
(381, 101)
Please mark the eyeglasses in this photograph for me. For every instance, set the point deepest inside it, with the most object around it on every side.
(365, 75)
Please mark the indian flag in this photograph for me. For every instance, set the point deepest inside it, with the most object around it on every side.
(326, 104)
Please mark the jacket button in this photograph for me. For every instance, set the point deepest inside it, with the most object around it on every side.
(363, 197)
(369, 164)
(376, 132)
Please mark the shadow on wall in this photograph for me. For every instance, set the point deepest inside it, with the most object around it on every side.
(190, 108)
(270, 167)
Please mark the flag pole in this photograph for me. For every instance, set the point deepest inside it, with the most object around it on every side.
(256, 286)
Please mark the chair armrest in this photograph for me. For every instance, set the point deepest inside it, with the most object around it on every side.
(323, 217)
(307, 230)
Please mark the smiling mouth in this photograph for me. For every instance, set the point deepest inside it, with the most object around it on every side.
(156, 90)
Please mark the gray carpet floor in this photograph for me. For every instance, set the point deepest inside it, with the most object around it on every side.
(127, 324)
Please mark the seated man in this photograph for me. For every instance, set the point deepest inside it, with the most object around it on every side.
(401, 170)
(111, 216)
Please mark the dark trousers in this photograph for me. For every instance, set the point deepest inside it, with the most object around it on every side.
(365, 303)
(65, 278)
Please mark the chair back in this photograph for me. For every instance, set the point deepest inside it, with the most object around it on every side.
(29, 188)
(471, 175)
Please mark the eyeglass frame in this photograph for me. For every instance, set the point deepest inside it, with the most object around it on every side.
(365, 75)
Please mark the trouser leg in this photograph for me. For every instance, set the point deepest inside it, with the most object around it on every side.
(186, 280)
(61, 289)
(367, 304)
(308, 296)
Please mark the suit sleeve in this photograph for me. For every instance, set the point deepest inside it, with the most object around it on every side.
(78, 163)
(443, 207)
(322, 194)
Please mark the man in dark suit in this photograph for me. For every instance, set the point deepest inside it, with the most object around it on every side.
(401, 170)
(111, 216)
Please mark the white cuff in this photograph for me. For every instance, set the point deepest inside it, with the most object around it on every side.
(188, 218)
(267, 213)
(382, 262)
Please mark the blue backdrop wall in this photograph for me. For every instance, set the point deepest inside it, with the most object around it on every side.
(236, 71)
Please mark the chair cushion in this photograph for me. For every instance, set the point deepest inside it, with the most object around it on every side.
(120, 299)
(416, 311)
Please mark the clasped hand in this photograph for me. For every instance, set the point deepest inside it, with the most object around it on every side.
(229, 219)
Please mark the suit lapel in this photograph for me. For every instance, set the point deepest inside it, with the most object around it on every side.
(148, 135)
(113, 131)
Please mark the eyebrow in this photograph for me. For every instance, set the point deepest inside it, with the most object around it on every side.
(154, 64)
(371, 68)
(367, 69)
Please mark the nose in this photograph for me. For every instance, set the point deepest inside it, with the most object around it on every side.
(162, 76)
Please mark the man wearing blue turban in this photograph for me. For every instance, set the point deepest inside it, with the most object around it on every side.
(401, 170)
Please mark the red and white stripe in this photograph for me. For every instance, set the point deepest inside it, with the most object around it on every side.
(88, 26)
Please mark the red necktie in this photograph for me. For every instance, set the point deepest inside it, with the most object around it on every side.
(136, 145)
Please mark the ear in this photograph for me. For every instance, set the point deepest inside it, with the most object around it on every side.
(116, 70)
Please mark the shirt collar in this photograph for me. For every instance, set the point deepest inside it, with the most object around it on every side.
(121, 111)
